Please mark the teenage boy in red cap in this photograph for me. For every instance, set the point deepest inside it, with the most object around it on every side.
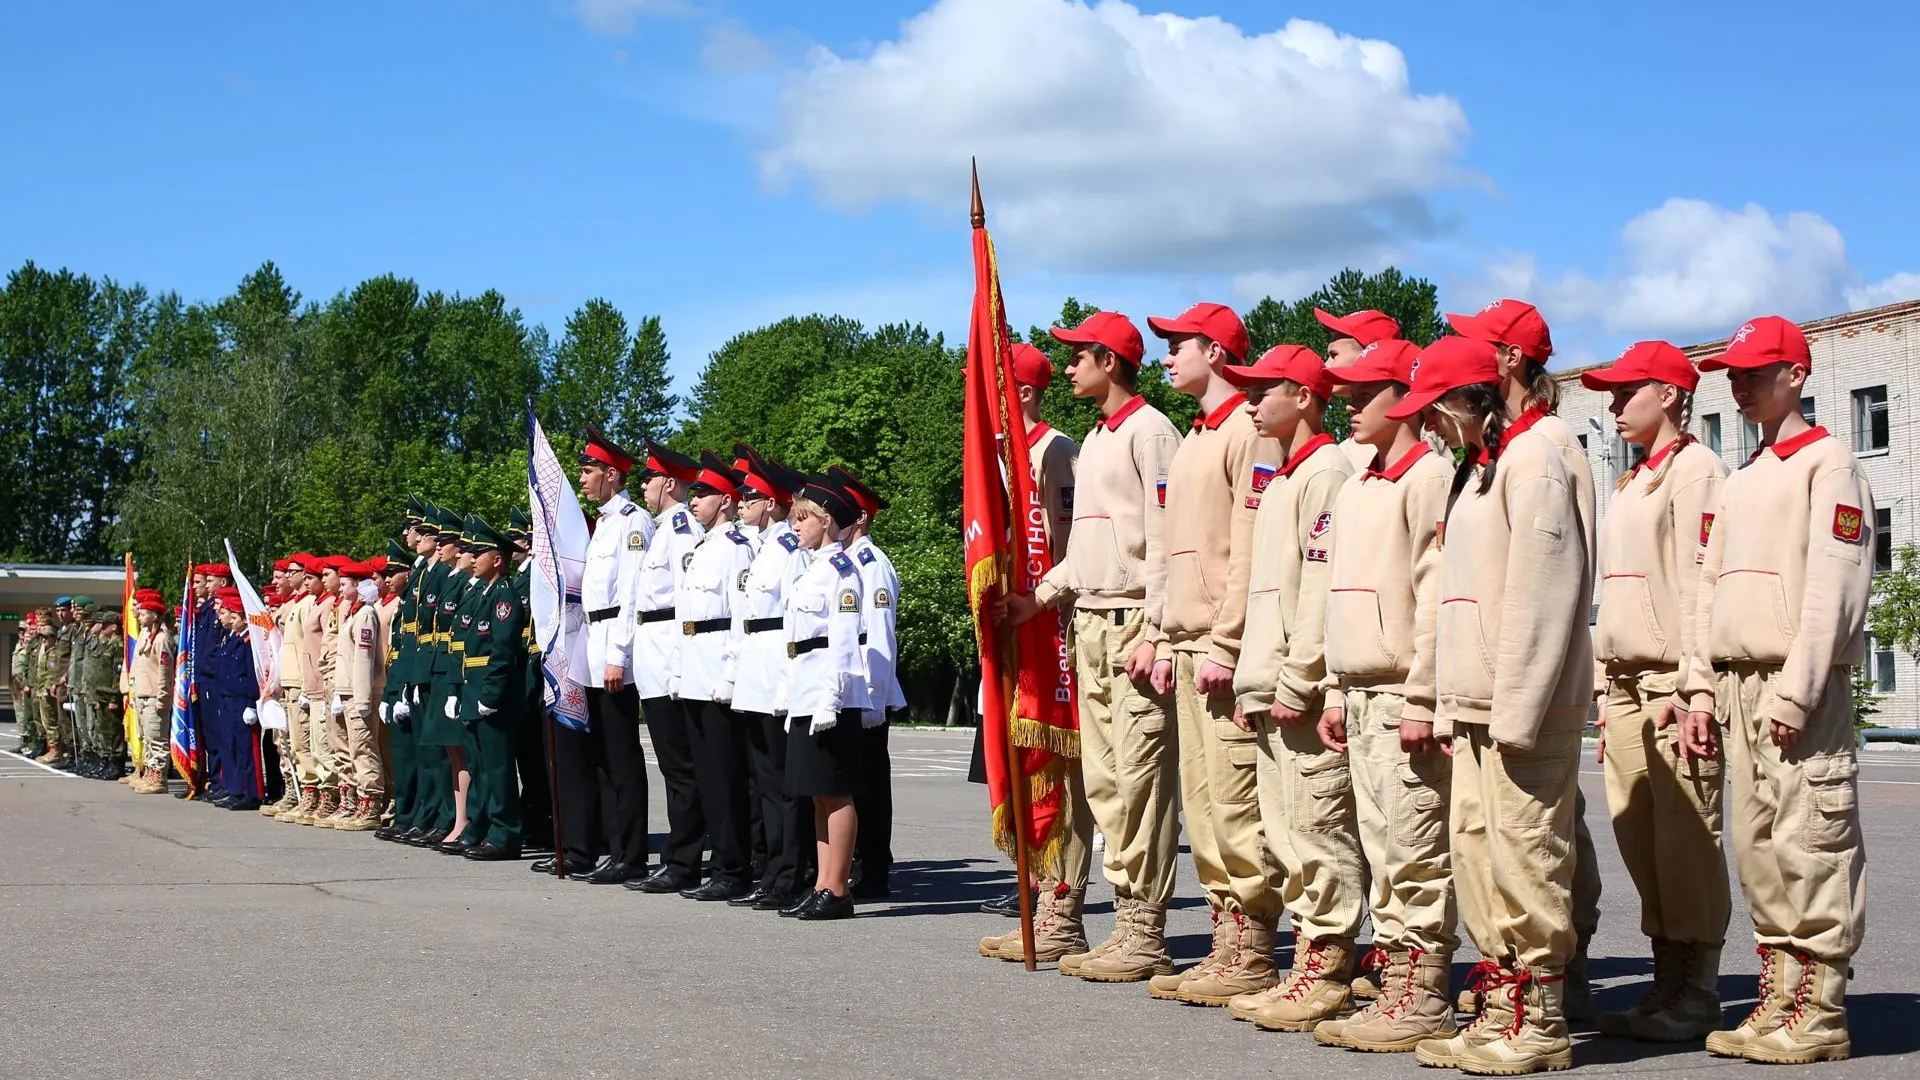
(1347, 335)
(150, 685)
(1306, 790)
(1783, 604)
(296, 759)
(362, 677)
(1381, 603)
(1213, 489)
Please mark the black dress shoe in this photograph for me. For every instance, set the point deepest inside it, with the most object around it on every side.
(776, 901)
(455, 846)
(717, 889)
(386, 832)
(871, 889)
(807, 902)
(492, 853)
(428, 838)
(666, 879)
(612, 873)
(827, 907)
(576, 868)
(1008, 905)
(245, 804)
(747, 900)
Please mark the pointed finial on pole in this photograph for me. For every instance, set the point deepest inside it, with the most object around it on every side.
(979, 208)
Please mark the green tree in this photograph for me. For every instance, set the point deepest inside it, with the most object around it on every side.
(648, 409)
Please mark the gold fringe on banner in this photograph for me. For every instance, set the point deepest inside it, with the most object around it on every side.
(1034, 735)
(1045, 859)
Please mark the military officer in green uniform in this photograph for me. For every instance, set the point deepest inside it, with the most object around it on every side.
(492, 694)
(77, 697)
(438, 672)
(26, 677)
(420, 540)
(55, 658)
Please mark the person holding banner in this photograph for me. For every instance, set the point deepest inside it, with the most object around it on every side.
(150, 684)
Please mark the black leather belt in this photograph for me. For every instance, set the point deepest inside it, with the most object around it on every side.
(657, 615)
(704, 626)
(761, 626)
(795, 648)
(863, 638)
(1721, 667)
(602, 614)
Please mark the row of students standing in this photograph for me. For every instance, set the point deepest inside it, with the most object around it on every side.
(746, 616)
(1370, 665)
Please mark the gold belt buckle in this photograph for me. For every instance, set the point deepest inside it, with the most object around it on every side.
(687, 628)
(793, 649)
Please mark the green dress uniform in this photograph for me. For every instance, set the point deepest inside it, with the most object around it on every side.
(403, 644)
(436, 672)
(492, 702)
(536, 787)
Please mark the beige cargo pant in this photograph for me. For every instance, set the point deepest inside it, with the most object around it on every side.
(1513, 845)
(331, 757)
(305, 770)
(1219, 794)
(1128, 755)
(1795, 817)
(156, 742)
(1666, 814)
(1402, 805)
(1312, 832)
(363, 750)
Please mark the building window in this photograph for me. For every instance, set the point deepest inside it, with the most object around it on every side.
(1880, 666)
(1870, 427)
(1749, 438)
(1806, 410)
(1882, 540)
(1710, 431)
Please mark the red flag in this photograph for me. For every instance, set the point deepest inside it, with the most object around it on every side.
(1027, 690)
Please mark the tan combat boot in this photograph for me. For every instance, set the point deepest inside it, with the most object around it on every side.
(1780, 977)
(1666, 982)
(1167, 987)
(1316, 990)
(1578, 992)
(1419, 1011)
(1365, 985)
(366, 816)
(289, 798)
(343, 810)
(52, 755)
(1057, 929)
(1392, 969)
(1535, 1039)
(150, 782)
(990, 947)
(1122, 909)
(1814, 1028)
(1250, 970)
(1692, 1009)
(323, 807)
(1486, 984)
(1142, 954)
(128, 778)
(301, 806)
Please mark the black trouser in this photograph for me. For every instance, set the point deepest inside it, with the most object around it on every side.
(576, 769)
(673, 750)
(779, 811)
(616, 739)
(720, 763)
(873, 849)
(530, 757)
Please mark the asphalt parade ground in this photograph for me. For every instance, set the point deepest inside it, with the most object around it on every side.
(148, 937)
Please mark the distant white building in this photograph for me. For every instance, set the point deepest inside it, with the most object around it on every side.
(1865, 379)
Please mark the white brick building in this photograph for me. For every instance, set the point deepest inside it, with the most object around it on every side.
(1865, 389)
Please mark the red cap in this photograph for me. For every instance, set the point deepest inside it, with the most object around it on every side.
(1031, 367)
(152, 604)
(1365, 327)
(1508, 322)
(357, 569)
(281, 564)
(1390, 360)
(1443, 367)
(229, 598)
(1656, 360)
(336, 562)
(1109, 328)
(1216, 322)
(218, 569)
(1768, 339)
(304, 562)
(1296, 362)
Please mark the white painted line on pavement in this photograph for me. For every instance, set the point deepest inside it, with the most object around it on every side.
(43, 768)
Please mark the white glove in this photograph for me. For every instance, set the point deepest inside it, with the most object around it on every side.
(872, 718)
(336, 706)
(383, 712)
(822, 722)
(305, 701)
(453, 709)
(723, 694)
(484, 711)
(67, 705)
(403, 711)
(412, 694)
(250, 716)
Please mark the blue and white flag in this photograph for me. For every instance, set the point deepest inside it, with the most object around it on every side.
(559, 558)
(185, 740)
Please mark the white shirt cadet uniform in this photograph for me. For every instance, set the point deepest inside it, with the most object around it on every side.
(882, 594)
(826, 670)
(656, 656)
(762, 646)
(709, 609)
(614, 553)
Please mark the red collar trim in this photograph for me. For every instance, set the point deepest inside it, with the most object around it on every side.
(1112, 423)
(1790, 447)
(1533, 415)
(1654, 461)
(1039, 432)
(1300, 456)
(1399, 468)
(1213, 420)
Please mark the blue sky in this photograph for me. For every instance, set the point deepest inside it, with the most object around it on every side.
(1638, 170)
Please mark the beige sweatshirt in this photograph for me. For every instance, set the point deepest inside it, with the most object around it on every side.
(1651, 548)
(1211, 499)
(362, 668)
(1385, 589)
(1514, 653)
(1283, 657)
(1787, 573)
(152, 671)
(1116, 551)
(1051, 457)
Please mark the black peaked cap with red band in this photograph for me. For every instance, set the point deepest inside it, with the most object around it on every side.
(832, 495)
(664, 460)
(600, 450)
(864, 497)
(716, 476)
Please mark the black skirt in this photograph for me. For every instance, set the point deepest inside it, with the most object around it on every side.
(827, 763)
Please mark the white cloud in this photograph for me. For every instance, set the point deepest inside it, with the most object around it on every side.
(1891, 290)
(732, 49)
(1115, 140)
(618, 18)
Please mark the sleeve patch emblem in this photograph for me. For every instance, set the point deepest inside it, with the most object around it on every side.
(686, 561)
(841, 562)
(1316, 554)
(1160, 491)
(1253, 502)
(742, 585)
(636, 542)
(680, 524)
(882, 598)
(1706, 528)
(1847, 523)
(1322, 525)
(738, 537)
(849, 600)
(1263, 475)
(629, 508)
(866, 556)
(1440, 535)
(366, 636)
(790, 541)
(503, 610)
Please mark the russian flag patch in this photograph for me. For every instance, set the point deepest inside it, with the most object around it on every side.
(1263, 475)
(1160, 490)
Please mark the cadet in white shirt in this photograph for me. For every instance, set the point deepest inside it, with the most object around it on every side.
(824, 692)
(778, 561)
(656, 659)
(612, 740)
(874, 856)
